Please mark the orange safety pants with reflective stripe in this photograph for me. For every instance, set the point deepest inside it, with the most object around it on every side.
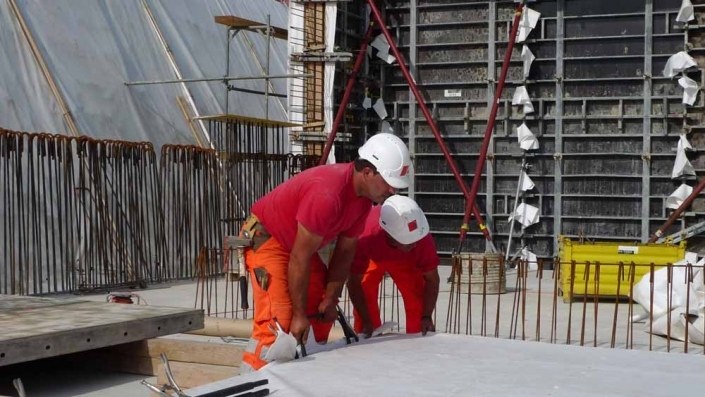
(411, 284)
(275, 301)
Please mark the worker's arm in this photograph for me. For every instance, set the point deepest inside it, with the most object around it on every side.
(338, 272)
(357, 297)
(430, 295)
(305, 245)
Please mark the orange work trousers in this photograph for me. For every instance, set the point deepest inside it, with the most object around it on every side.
(275, 301)
(411, 284)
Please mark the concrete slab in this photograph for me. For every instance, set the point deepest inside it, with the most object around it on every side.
(455, 365)
(36, 328)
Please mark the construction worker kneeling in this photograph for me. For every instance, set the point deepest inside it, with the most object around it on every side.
(292, 288)
(396, 240)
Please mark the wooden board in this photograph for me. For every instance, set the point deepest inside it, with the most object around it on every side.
(35, 328)
(246, 24)
(182, 350)
(234, 117)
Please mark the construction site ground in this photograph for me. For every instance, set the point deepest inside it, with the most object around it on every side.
(53, 377)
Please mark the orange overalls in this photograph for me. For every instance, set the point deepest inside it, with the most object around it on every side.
(411, 284)
(269, 254)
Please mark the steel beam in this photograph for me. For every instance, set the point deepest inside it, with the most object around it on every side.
(224, 78)
(491, 77)
(646, 166)
(558, 134)
(413, 58)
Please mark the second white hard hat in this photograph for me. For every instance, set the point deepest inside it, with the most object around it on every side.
(403, 219)
(390, 156)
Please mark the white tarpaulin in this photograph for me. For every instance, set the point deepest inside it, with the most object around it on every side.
(526, 138)
(527, 23)
(678, 196)
(686, 12)
(690, 90)
(681, 165)
(92, 53)
(527, 58)
(687, 300)
(525, 214)
(297, 86)
(525, 183)
(329, 73)
(521, 97)
(461, 365)
(677, 63)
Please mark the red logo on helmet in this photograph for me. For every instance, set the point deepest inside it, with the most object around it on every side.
(412, 226)
(404, 170)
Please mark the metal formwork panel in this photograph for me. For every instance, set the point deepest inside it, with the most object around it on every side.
(606, 119)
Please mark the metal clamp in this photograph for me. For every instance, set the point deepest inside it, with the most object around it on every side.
(347, 329)
(228, 391)
(19, 386)
(162, 391)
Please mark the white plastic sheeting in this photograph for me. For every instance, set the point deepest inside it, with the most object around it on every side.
(454, 365)
(329, 74)
(683, 302)
(92, 47)
(295, 87)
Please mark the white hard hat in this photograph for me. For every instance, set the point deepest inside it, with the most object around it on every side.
(390, 156)
(402, 218)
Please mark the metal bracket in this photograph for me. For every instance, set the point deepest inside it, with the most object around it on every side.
(164, 390)
(684, 234)
(19, 387)
(323, 1)
(318, 56)
(319, 136)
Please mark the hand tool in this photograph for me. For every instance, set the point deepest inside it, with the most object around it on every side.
(262, 278)
(237, 264)
(347, 329)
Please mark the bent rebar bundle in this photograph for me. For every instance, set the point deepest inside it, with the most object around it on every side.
(78, 213)
(82, 213)
(250, 159)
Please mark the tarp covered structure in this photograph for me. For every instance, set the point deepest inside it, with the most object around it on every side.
(91, 48)
(82, 213)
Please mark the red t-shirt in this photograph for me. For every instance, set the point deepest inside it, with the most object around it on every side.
(321, 198)
(373, 245)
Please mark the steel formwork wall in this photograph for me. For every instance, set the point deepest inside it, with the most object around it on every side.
(607, 121)
(350, 31)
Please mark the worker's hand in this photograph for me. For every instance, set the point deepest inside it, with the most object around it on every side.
(367, 330)
(299, 328)
(427, 325)
(328, 309)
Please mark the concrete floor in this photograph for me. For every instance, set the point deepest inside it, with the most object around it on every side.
(524, 313)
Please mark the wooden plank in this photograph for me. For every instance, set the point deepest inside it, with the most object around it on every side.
(189, 375)
(189, 351)
(235, 117)
(246, 24)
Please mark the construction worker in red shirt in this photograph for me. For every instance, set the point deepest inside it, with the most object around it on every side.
(291, 286)
(395, 240)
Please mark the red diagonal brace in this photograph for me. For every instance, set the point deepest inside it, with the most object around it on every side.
(677, 213)
(434, 128)
(346, 95)
(491, 121)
